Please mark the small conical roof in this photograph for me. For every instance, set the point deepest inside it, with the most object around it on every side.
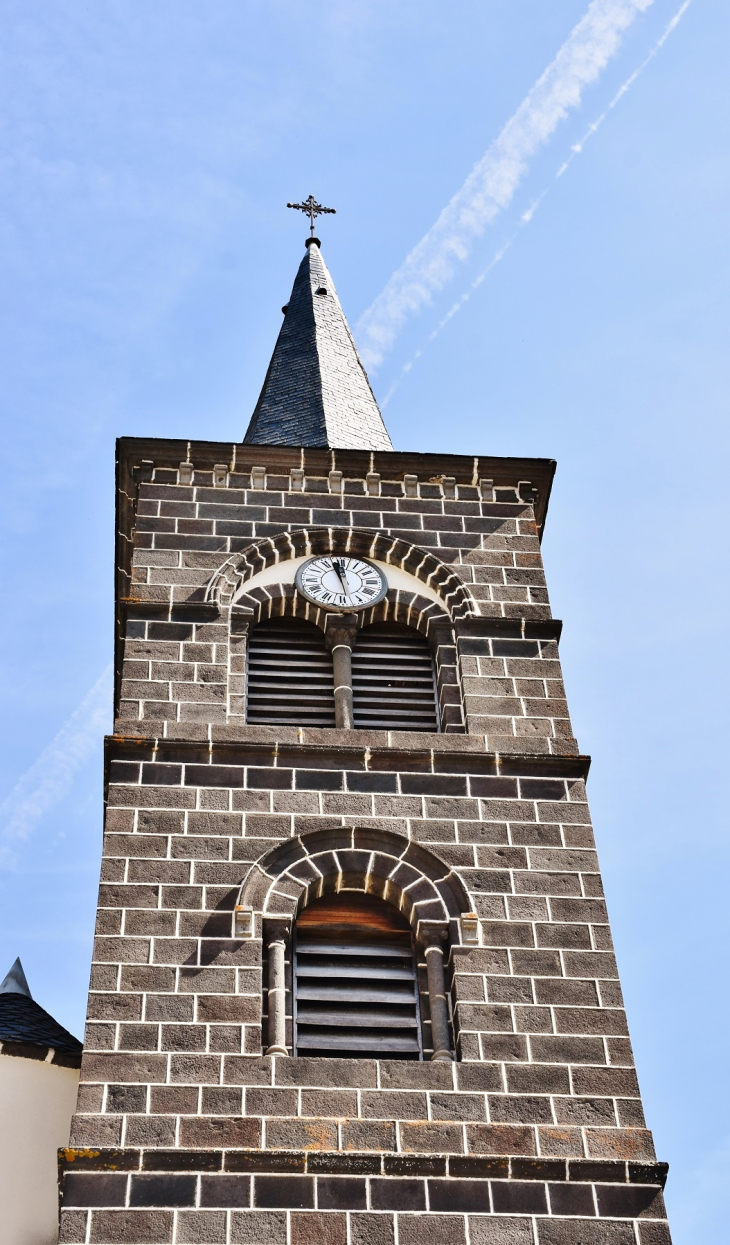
(15, 982)
(25, 1024)
(316, 390)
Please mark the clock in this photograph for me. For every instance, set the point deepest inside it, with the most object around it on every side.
(337, 582)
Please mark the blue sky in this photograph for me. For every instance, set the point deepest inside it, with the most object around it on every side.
(147, 152)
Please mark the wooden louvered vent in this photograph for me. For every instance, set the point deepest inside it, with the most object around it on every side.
(393, 680)
(355, 986)
(289, 675)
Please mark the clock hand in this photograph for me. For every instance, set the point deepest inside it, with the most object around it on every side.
(339, 569)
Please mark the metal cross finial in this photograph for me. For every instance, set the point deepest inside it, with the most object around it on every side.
(313, 209)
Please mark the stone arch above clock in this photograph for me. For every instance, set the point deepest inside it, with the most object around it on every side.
(408, 567)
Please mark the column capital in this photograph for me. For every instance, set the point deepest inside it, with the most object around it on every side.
(340, 629)
(276, 928)
(432, 934)
(241, 619)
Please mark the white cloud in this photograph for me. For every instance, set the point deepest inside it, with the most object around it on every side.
(50, 776)
(577, 148)
(528, 214)
(490, 186)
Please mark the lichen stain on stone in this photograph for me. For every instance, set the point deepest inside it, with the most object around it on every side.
(319, 1135)
(428, 1129)
(621, 1144)
(564, 1137)
(72, 1154)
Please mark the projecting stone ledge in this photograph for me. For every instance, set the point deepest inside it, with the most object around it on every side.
(516, 756)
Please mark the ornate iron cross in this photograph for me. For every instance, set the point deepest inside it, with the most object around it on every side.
(313, 209)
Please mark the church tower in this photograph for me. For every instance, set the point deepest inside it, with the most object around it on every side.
(353, 981)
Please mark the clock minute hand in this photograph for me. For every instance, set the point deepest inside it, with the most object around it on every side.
(341, 577)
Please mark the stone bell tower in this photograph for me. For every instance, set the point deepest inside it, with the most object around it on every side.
(353, 981)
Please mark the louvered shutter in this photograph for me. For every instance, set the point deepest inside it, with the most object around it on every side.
(289, 675)
(393, 681)
(355, 985)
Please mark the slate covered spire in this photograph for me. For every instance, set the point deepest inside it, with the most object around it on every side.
(15, 981)
(316, 390)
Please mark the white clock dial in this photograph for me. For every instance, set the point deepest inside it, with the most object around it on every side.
(338, 582)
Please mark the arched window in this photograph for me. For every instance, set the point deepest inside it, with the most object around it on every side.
(355, 980)
(289, 675)
(393, 680)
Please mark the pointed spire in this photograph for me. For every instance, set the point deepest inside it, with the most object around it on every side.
(316, 390)
(15, 982)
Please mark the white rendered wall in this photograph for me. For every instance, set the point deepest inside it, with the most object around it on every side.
(37, 1101)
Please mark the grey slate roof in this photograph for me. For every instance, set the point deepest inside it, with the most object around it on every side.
(15, 981)
(24, 1021)
(316, 390)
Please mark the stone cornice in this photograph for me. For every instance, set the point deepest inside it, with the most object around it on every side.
(436, 754)
(615, 1171)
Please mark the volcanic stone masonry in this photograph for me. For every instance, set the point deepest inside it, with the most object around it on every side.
(218, 832)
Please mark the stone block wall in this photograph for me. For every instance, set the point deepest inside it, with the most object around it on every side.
(186, 1131)
(483, 531)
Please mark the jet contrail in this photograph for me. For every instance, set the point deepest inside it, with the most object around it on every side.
(460, 302)
(527, 216)
(577, 148)
(48, 779)
(490, 186)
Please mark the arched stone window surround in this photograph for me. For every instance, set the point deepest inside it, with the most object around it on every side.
(227, 582)
(226, 589)
(377, 862)
(283, 601)
(372, 861)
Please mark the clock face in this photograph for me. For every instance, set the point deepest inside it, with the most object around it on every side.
(341, 583)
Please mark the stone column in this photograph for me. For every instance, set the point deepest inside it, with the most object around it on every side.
(241, 618)
(340, 633)
(442, 643)
(440, 1037)
(276, 937)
